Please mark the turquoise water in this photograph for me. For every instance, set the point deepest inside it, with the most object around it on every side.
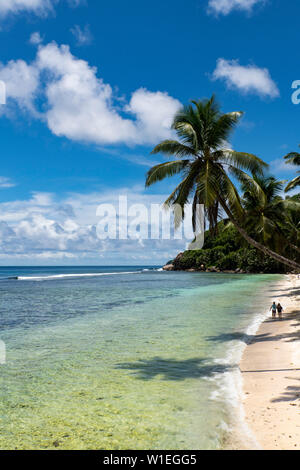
(122, 358)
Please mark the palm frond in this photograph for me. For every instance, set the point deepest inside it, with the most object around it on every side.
(293, 184)
(173, 147)
(230, 193)
(222, 128)
(164, 170)
(182, 193)
(250, 186)
(292, 158)
(186, 125)
(242, 160)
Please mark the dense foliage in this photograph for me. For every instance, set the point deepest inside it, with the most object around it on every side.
(226, 252)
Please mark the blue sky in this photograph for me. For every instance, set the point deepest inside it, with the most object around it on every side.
(92, 87)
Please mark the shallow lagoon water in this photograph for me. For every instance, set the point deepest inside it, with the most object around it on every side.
(124, 359)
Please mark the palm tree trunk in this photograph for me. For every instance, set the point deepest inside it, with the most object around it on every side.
(266, 251)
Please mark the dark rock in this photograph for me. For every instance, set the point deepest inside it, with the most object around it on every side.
(169, 267)
(176, 261)
(212, 269)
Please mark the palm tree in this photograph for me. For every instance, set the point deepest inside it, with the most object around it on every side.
(294, 159)
(269, 218)
(292, 222)
(205, 165)
(264, 208)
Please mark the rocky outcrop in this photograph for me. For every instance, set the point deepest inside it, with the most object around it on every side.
(169, 267)
(212, 269)
(176, 262)
(174, 265)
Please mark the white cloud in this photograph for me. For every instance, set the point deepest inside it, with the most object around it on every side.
(80, 106)
(6, 182)
(39, 7)
(21, 81)
(279, 167)
(247, 79)
(35, 38)
(83, 36)
(43, 227)
(154, 112)
(224, 7)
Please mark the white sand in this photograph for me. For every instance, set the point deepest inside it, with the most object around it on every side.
(271, 375)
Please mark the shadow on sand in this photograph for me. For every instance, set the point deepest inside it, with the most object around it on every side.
(252, 339)
(291, 393)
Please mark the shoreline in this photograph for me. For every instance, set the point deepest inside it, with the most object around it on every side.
(270, 371)
(214, 270)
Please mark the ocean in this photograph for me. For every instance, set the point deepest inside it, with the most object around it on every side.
(124, 357)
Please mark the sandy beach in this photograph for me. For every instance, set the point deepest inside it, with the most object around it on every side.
(270, 370)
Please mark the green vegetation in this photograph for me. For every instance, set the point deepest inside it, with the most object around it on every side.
(233, 187)
(294, 159)
(226, 252)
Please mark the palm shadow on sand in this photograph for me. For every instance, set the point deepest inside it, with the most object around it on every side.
(172, 369)
(252, 339)
(236, 336)
(291, 393)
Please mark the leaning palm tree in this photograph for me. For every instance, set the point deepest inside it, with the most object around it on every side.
(269, 217)
(206, 164)
(294, 159)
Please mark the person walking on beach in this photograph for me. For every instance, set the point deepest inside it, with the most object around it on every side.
(279, 310)
(274, 309)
